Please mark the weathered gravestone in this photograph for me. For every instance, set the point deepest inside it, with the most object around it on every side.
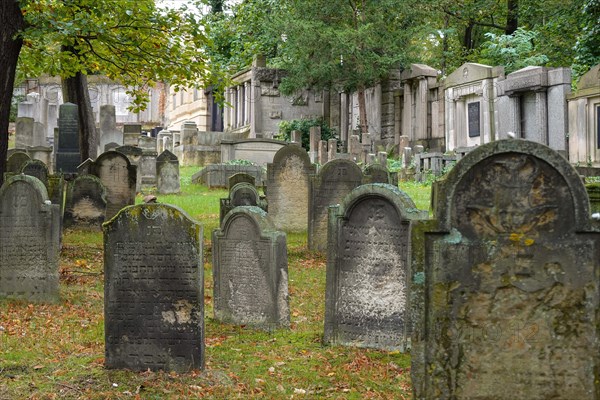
(118, 177)
(147, 166)
(85, 203)
(108, 128)
(16, 161)
(167, 173)
(37, 169)
(377, 173)
(504, 281)
(250, 271)
(366, 297)
(217, 175)
(67, 148)
(29, 241)
(153, 290)
(334, 181)
(134, 155)
(287, 188)
(242, 194)
(239, 178)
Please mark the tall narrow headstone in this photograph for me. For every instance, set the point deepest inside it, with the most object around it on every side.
(153, 290)
(29, 241)
(167, 173)
(85, 203)
(250, 271)
(67, 149)
(366, 297)
(108, 127)
(334, 181)
(314, 138)
(504, 282)
(287, 188)
(134, 155)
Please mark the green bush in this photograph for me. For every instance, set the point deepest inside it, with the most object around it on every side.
(303, 125)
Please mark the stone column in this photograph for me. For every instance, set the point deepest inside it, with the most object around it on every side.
(460, 124)
(315, 137)
(421, 110)
(322, 152)
(256, 110)
(541, 116)
(407, 113)
(247, 97)
(344, 123)
(331, 149)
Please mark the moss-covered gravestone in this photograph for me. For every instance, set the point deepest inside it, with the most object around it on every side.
(250, 271)
(366, 297)
(153, 290)
(505, 281)
(118, 176)
(241, 194)
(334, 181)
(287, 188)
(16, 161)
(29, 241)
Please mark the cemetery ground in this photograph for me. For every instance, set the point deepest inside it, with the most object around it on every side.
(52, 351)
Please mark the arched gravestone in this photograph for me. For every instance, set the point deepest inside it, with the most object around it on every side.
(287, 183)
(16, 161)
(366, 297)
(504, 281)
(239, 178)
(334, 181)
(36, 168)
(118, 176)
(85, 203)
(29, 241)
(167, 173)
(377, 173)
(242, 194)
(153, 290)
(250, 271)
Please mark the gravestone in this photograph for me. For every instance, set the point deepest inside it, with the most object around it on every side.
(250, 271)
(334, 181)
(504, 286)
(86, 203)
(147, 165)
(366, 296)
(217, 175)
(108, 128)
(16, 161)
(153, 290)
(242, 194)
(24, 132)
(287, 188)
(118, 177)
(167, 173)
(134, 154)
(239, 178)
(67, 149)
(131, 134)
(29, 241)
(37, 169)
(377, 173)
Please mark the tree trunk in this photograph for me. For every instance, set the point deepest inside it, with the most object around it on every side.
(75, 90)
(11, 22)
(468, 37)
(362, 111)
(512, 17)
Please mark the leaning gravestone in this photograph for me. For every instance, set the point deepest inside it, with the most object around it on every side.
(366, 297)
(153, 290)
(119, 177)
(29, 241)
(287, 188)
(250, 271)
(334, 181)
(16, 161)
(67, 149)
(167, 173)
(504, 284)
(85, 203)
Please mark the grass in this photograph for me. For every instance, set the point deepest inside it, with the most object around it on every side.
(56, 351)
